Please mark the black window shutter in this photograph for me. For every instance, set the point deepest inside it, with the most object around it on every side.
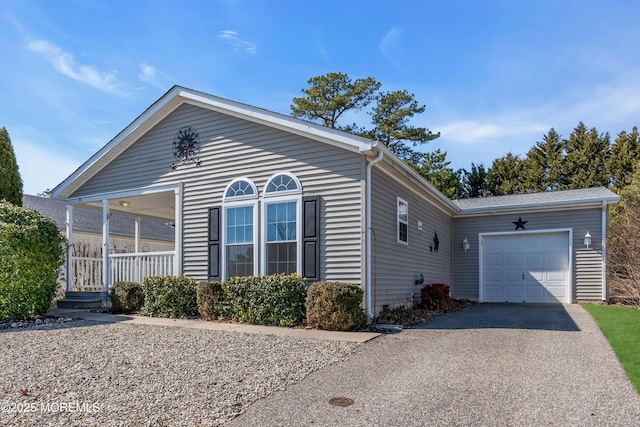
(311, 238)
(214, 243)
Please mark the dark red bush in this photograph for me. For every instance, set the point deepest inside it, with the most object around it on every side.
(435, 296)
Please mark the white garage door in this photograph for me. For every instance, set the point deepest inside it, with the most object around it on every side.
(528, 267)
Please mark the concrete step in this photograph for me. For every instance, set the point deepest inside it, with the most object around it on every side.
(81, 300)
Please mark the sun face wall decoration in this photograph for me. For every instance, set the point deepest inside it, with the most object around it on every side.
(186, 147)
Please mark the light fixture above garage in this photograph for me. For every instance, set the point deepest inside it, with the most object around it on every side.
(465, 244)
(587, 240)
(124, 203)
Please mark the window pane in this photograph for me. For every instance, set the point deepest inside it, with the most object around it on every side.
(239, 260)
(291, 211)
(281, 258)
(271, 213)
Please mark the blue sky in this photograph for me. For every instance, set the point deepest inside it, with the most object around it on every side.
(495, 75)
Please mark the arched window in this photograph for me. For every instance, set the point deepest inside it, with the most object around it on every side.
(282, 183)
(281, 224)
(239, 229)
(241, 188)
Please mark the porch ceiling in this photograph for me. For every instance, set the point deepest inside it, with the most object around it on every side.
(154, 205)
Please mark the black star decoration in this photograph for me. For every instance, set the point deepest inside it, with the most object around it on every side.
(519, 223)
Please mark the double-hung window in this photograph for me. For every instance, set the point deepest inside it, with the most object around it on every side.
(239, 230)
(281, 230)
(403, 221)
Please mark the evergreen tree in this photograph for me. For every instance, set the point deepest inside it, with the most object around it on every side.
(586, 157)
(435, 169)
(475, 182)
(10, 180)
(625, 156)
(504, 176)
(542, 167)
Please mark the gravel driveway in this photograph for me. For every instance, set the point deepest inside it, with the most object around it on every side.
(487, 365)
(83, 373)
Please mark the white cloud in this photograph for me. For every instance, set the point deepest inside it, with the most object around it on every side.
(388, 42)
(64, 63)
(231, 38)
(149, 74)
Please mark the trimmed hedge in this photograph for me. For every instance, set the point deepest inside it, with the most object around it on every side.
(212, 301)
(126, 297)
(171, 296)
(267, 300)
(31, 253)
(335, 306)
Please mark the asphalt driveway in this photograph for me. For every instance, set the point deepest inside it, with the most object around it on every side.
(487, 365)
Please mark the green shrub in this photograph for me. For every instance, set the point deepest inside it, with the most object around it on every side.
(212, 302)
(171, 296)
(126, 297)
(435, 296)
(31, 253)
(267, 300)
(335, 306)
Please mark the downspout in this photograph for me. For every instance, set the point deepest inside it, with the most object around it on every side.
(368, 244)
(604, 251)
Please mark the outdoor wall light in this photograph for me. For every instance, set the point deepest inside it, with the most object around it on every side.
(123, 203)
(587, 240)
(465, 244)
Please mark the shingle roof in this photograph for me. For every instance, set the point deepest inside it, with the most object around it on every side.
(566, 198)
(89, 220)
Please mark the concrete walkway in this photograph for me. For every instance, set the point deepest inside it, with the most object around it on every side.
(358, 337)
(487, 365)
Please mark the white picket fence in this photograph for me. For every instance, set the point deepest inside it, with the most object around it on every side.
(87, 272)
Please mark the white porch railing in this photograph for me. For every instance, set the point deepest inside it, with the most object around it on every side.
(87, 272)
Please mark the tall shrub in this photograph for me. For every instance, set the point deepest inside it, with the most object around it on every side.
(335, 306)
(10, 180)
(267, 300)
(31, 253)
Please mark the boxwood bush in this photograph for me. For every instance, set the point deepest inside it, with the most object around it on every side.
(212, 301)
(31, 253)
(267, 300)
(126, 297)
(170, 296)
(335, 306)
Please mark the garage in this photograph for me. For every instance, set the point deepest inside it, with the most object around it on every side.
(530, 267)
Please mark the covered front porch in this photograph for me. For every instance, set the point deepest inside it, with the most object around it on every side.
(138, 236)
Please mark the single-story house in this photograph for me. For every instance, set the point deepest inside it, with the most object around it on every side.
(251, 191)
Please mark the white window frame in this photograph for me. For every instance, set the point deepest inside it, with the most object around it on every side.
(281, 197)
(239, 202)
(401, 221)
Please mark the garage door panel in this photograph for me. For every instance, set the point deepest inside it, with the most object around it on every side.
(543, 259)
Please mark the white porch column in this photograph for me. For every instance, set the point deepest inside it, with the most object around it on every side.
(106, 268)
(69, 232)
(177, 246)
(137, 234)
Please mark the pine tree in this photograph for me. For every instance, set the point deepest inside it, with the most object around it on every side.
(504, 175)
(586, 157)
(10, 180)
(475, 182)
(542, 167)
(625, 156)
(435, 169)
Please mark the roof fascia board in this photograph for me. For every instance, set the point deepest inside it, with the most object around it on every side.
(290, 124)
(75, 180)
(123, 194)
(393, 160)
(533, 208)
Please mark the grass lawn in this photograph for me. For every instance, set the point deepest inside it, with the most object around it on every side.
(621, 326)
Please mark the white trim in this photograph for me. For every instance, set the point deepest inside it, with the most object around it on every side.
(106, 268)
(263, 229)
(368, 238)
(223, 234)
(481, 237)
(69, 233)
(244, 197)
(177, 245)
(400, 221)
(124, 193)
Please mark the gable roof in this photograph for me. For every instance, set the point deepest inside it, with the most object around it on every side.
(178, 96)
(90, 220)
(543, 200)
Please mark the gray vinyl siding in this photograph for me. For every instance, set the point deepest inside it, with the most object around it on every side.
(586, 263)
(396, 266)
(232, 148)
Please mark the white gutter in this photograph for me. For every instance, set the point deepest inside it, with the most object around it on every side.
(604, 250)
(368, 245)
